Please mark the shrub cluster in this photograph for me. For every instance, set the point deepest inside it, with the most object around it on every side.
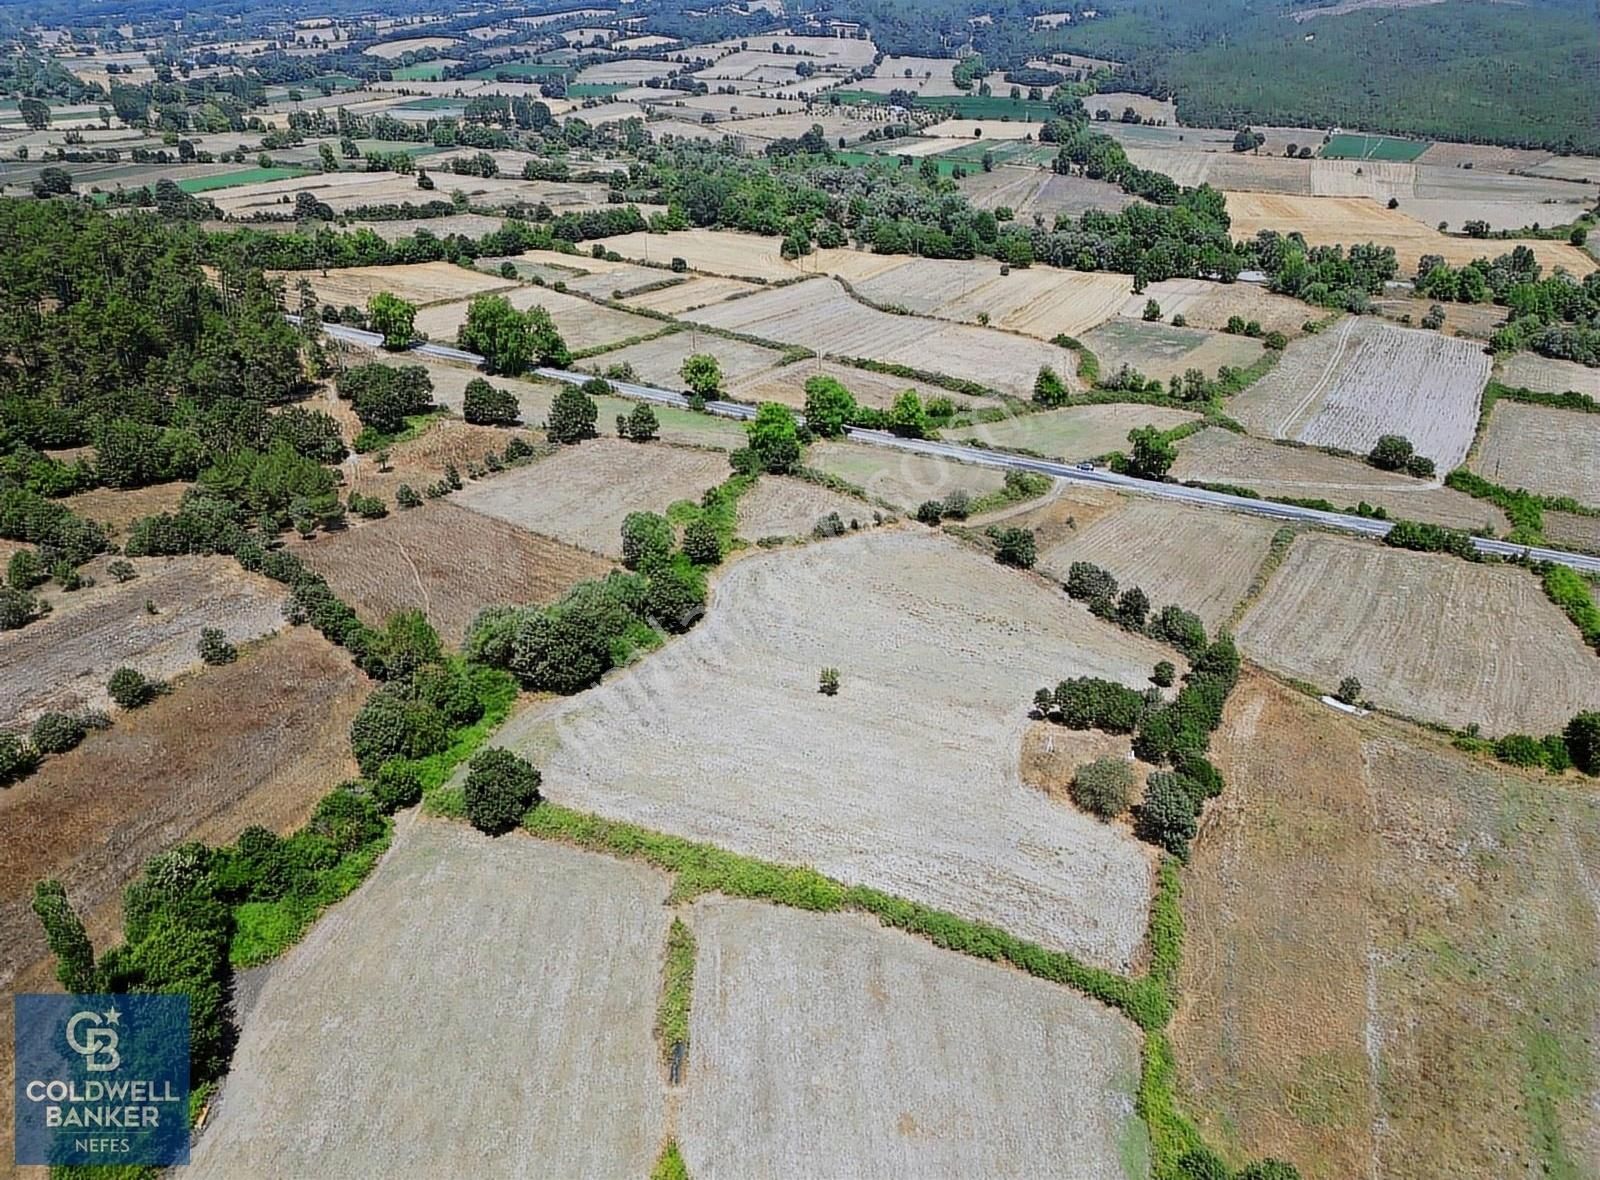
(500, 788)
(1130, 609)
(1102, 787)
(1431, 538)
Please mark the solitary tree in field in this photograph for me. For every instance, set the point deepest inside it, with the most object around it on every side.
(775, 438)
(499, 790)
(1349, 691)
(393, 318)
(489, 405)
(1049, 389)
(35, 114)
(640, 424)
(829, 406)
(1152, 456)
(1102, 787)
(702, 376)
(573, 415)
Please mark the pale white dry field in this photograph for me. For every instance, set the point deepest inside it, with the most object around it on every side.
(1553, 452)
(929, 76)
(908, 779)
(821, 315)
(1429, 636)
(512, 974)
(1363, 378)
(1197, 558)
(780, 506)
(1078, 432)
(1278, 469)
(393, 49)
(1040, 301)
(421, 283)
(851, 264)
(1205, 304)
(1034, 191)
(582, 324)
(919, 1063)
(1528, 370)
(62, 662)
(581, 494)
(786, 384)
(968, 130)
(899, 478)
(711, 251)
(658, 362)
(472, 225)
(625, 69)
(695, 291)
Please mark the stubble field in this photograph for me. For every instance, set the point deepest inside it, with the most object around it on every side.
(900, 479)
(1205, 304)
(1552, 452)
(1530, 371)
(939, 650)
(804, 1021)
(698, 291)
(1431, 637)
(556, 987)
(1027, 191)
(659, 362)
(421, 283)
(582, 494)
(779, 506)
(710, 251)
(1363, 378)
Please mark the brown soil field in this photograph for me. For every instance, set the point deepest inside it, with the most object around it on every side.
(1078, 432)
(1198, 558)
(62, 661)
(1389, 965)
(1205, 304)
(699, 291)
(1278, 469)
(821, 316)
(939, 650)
(921, 1063)
(118, 508)
(1553, 452)
(901, 479)
(787, 384)
(1529, 371)
(1164, 352)
(779, 506)
(590, 930)
(1428, 636)
(1031, 191)
(421, 283)
(581, 494)
(582, 324)
(447, 562)
(1363, 378)
(1327, 221)
(192, 765)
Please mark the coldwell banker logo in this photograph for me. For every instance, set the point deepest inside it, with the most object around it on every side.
(102, 1079)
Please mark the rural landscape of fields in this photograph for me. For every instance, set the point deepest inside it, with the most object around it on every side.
(913, 591)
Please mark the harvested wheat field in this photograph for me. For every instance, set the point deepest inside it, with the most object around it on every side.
(583, 324)
(1389, 965)
(553, 994)
(1568, 530)
(421, 283)
(1552, 452)
(787, 384)
(1428, 636)
(659, 362)
(939, 650)
(821, 316)
(1364, 378)
(447, 562)
(1330, 221)
(899, 478)
(581, 494)
(1531, 371)
(1164, 352)
(1078, 432)
(1477, 320)
(1305, 473)
(1030, 191)
(1198, 558)
(779, 506)
(920, 1063)
(1039, 301)
(710, 251)
(697, 291)
(1205, 304)
(62, 662)
(471, 225)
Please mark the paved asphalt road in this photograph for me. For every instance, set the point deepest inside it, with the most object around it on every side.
(983, 458)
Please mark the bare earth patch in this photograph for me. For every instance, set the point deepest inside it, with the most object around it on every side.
(582, 494)
(446, 561)
(1553, 452)
(62, 661)
(907, 779)
(557, 984)
(1428, 636)
(920, 1063)
(779, 506)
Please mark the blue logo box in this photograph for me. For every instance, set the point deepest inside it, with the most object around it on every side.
(102, 1079)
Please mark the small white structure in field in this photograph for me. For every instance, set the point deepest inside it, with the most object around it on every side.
(1353, 710)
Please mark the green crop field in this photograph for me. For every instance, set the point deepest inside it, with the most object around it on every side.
(204, 184)
(596, 89)
(1350, 146)
(519, 69)
(427, 71)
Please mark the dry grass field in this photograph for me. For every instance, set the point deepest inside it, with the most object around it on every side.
(1364, 378)
(1030, 191)
(421, 283)
(1205, 304)
(699, 291)
(1115, 102)
(393, 49)
(988, 129)
(899, 478)
(920, 1063)
(62, 661)
(472, 225)
(779, 506)
(1389, 967)
(1326, 221)
(1568, 530)
(1039, 301)
(1200, 559)
(1530, 371)
(1477, 320)
(928, 77)
(786, 384)
(1164, 352)
(821, 316)
(1079, 432)
(447, 562)
(117, 508)
(658, 362)
(1428, 636)
(939, 650)
(581, 494)
(1553, 452)
(709, 251)
(582, 324)
(1304, 473)
(556, 987)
